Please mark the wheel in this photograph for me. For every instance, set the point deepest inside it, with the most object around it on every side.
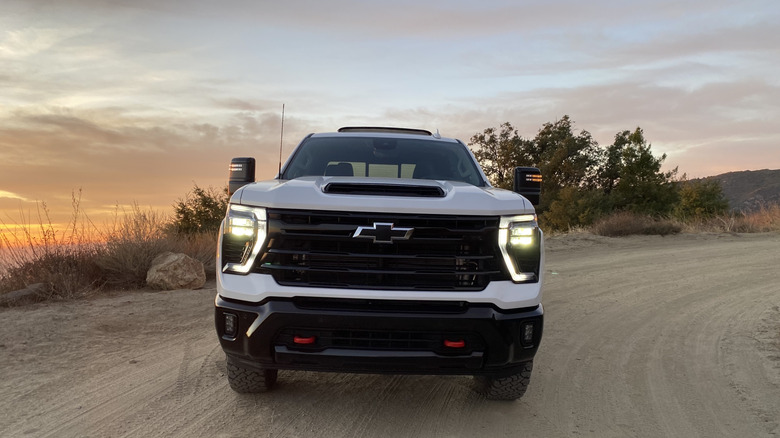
(250, 381)
(505, 388)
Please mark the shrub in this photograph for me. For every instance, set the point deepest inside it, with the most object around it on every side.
(626, 223)
(83, 258)
(574, 208)
(201, 211)
(141, 235)
(62, 260)
(764, 220)
(701, 199)
(131, 243)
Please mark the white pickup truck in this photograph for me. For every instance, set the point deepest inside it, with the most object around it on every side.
(380, 250)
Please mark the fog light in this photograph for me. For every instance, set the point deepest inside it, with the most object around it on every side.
(231, 324)
(460, 343)
(304, 340)
(527, 334)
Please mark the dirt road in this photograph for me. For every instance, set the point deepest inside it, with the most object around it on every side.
(644, 336)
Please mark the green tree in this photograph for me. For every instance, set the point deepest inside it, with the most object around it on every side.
(581, 181)
(201, 211)
(565, 159)
(701, 199)
(499, 152)
(632, 176)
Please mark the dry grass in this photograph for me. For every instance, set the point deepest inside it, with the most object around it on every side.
(82, 259)
(767, 219)
(34, 252)
(140, 236)
(626, 224)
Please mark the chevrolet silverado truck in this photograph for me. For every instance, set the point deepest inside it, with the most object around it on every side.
(380, 250)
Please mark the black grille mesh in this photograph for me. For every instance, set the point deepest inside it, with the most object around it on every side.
(444, 252)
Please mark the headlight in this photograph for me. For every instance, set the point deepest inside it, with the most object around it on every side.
(520, 241)
(243, 237)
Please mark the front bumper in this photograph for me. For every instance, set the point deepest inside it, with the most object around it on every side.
(379, 336)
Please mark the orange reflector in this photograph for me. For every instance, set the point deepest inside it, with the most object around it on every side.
(454, 344)
(304, 340)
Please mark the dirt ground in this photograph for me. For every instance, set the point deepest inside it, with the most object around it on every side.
(644, 336)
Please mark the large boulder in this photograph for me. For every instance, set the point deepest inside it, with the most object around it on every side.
(171, 271)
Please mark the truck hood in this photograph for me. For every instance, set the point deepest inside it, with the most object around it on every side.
(406, 196)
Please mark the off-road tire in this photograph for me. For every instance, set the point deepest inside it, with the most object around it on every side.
(250, 381)
(505, 388)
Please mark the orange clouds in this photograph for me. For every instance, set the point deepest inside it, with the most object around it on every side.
(120, 160)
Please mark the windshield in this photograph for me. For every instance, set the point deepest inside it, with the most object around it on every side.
(378, 157)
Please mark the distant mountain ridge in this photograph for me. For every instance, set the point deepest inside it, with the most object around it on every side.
(749, 190)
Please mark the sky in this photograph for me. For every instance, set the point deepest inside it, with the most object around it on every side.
(127, 103)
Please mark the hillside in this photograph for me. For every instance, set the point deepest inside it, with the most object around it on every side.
(749, 190)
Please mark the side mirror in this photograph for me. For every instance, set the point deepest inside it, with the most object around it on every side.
(242, 172)
(528, 182)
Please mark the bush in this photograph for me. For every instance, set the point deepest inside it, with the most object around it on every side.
(574, 208)
(132, 242)
(64, 261)
(701, 199)
(83, 259)
(626, 223)
(201, 211)
(140, 236)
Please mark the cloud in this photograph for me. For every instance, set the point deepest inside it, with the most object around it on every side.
(136, 101)
(50, 154)
(11, 195)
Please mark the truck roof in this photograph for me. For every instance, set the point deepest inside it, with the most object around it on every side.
(385, 132)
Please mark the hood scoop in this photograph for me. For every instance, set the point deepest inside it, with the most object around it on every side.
(419, 191)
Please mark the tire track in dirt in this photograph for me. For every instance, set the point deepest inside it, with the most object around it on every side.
(658, 341)
(373, 405)
(102, 400)
(643, 337)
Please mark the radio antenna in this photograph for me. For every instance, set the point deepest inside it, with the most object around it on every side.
(281, 141)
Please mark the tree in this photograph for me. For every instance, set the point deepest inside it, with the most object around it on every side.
(581, 181)
(565, 159)
(632, 178)
(201, 211)
(500, 152)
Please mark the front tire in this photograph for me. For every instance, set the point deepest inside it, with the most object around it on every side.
(511, 387)
(246, 381)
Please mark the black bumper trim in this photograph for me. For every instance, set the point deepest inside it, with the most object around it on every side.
(368, 361)
(499, 351)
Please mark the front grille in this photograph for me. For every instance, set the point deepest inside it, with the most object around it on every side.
(317, 249)
(379, 340)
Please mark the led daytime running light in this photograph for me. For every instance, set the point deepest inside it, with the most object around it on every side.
(517, 231)
(249, 222)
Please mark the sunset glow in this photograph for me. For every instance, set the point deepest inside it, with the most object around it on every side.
(135, 102)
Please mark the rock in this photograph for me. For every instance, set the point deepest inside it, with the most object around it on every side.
(171, 271)
(30, 292)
